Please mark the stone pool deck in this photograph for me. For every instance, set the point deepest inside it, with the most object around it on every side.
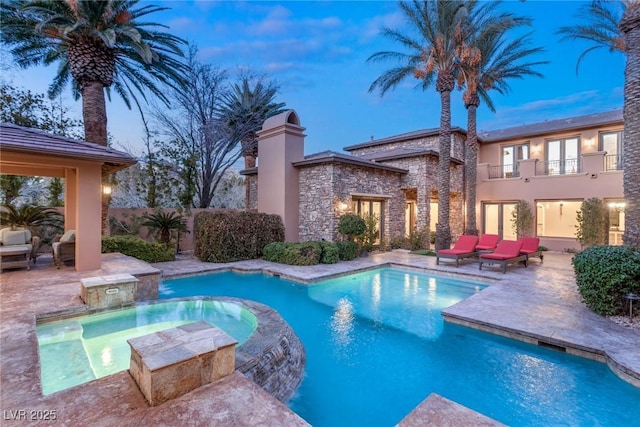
(537, 304)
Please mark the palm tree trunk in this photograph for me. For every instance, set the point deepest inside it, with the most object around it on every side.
(443, 229)
(630, 26)
(94, 115)
(471, 169)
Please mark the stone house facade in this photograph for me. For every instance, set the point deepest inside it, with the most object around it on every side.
(394, 178)
(553, 165)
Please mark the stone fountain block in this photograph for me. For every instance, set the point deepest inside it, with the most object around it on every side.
(173, 362)
(113, 291)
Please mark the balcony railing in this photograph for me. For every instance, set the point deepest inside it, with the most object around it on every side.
(613, 162)
(558, 167)
(503, 171)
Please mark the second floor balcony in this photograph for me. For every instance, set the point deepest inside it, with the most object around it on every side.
(588, 163)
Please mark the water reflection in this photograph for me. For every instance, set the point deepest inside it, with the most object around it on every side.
(342, 323)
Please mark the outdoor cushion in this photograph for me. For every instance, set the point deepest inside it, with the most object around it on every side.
(15, 237)
(487, 242)
(465, 244)
(69, 236)
(529, 245)
(506, 249)
(454, 251)
(13, 248)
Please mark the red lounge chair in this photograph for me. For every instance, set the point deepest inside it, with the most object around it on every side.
(507, 251)
(465, 247)
(530, 247)
(487, 242)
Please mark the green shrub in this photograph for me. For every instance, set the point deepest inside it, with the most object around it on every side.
(330, 253)
(418, 239)
(351, 225)
(432, 237)
(368, 238)
(604, 274)
(226, 236)
(347, 250)
(592, 221)
(138, 248)
(305, 253)
(274, 251)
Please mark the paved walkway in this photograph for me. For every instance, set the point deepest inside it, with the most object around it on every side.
(536, 304)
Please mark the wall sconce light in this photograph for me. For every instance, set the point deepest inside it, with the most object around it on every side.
(590, 142)
(561, 205)
(106, 190)
(342, 206)
(535, 148)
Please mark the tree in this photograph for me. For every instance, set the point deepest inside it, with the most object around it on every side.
(206, 125)
(521, 218)
(431, 55)
(247, 107)
(600, 27)
(592, 221)
(99, 44)
(164, 224)
(488, 61)
(616, 26)
(630, 27)
(56, 190)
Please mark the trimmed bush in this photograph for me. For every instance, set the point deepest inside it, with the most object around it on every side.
(306, 253)
(604, 274)
(347, 250)
(226, 236)
(351, 225)
(138, 248)
(330, 253)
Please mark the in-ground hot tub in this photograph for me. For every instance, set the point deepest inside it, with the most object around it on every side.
(82, 348)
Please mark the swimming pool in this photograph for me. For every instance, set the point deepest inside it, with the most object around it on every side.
(80, 349)
(377, 346)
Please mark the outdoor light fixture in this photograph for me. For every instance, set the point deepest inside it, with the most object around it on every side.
(106, 190)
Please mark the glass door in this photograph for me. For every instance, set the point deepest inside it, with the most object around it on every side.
(497, 219)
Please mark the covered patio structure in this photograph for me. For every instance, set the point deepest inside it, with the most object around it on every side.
(32, 152)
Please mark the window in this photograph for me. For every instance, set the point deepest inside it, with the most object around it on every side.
(365, 207)
(557, 218)
(510, 156)
(611, 142)
(616, 221)
(562, 156)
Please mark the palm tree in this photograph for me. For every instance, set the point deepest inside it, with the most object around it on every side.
(30, 217)
(616, 27)
(99, 44)
(630, 27)
(431, 55)
(600, 27)
(164, 224)
(246, 108)
(487, 61)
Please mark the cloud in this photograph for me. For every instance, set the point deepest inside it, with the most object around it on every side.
(372, 26)
(181, 23)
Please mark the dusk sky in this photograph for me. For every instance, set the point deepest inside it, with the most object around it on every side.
(317, 52)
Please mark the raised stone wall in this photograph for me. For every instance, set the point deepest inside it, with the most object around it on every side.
(326, 193)
(273, 356)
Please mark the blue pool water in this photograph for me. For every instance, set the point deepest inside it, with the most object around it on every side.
(77, 350)
(377, 346)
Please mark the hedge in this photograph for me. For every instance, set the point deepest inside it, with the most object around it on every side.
(604, 274)
(306, 253)
(138, 248)
(226, 236)
(347, 250)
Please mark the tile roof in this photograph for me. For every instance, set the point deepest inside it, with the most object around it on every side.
(332, 156)
(422, 133)
(29, 140)
(546, 127)
(401, 153)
